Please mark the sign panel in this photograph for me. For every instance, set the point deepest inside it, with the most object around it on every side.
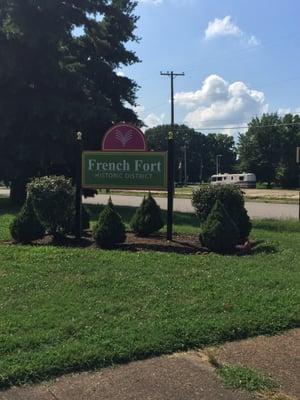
(124, 137)
(126, 170)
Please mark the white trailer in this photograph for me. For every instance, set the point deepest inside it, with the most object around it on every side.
(244, 180)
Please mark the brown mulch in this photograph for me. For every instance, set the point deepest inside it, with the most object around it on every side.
(181, 243)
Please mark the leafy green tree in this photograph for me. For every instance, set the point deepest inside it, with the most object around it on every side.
(268, 149)
(53, 200)
(221, 144)
(201, 150)
(54, 83)
(287, 171)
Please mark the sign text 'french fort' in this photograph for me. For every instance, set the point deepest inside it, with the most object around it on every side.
(124, 170)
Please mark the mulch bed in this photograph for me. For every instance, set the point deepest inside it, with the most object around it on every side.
(181, 243)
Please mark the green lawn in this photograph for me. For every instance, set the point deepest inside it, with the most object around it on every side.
(66, 310)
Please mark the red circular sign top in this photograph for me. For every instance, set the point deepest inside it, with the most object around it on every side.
(124, 137)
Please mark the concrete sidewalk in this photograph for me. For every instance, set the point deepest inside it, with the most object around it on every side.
(183, 376)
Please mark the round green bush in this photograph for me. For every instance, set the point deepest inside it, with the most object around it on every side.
(231, 197)
(219, 233)
(147, 218)
(26, 227)
(53, 199)
(109, 230)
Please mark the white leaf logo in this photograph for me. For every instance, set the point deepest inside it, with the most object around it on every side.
(124, 138)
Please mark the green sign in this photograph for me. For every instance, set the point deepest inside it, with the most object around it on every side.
(124, 170)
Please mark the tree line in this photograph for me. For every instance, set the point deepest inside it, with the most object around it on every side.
(201, 151)
(268, 149)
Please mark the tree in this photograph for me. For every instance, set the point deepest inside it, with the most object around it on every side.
(287, 171)
(268, 149)
(201, 150)
(147, 218)
(53, 83)
(219, 232)
(110, 229)
(221, 144)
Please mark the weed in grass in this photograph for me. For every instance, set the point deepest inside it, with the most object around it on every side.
(238, 377)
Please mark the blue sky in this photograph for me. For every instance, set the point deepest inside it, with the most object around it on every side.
(240, 57)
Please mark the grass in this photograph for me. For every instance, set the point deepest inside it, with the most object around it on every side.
(238, 377)
(65, 310)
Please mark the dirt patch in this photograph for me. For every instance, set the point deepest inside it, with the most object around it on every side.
(181, 244)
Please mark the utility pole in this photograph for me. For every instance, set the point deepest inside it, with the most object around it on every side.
(218, 162)
(185, 166)
(171, 158)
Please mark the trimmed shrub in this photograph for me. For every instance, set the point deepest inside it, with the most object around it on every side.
(232, 199)
(244, 225)
(26, 227)
(109, 229)
(85, 220)
(53, 200)
(219, 233)
(147, 218)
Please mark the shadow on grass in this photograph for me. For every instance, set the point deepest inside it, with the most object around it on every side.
(127, 213)
(263, 247)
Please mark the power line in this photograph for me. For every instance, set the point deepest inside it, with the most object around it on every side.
(241, 127)
(146, 110)
(226, 54)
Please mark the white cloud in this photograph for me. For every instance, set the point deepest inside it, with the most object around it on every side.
(152, 120)
(283, 111)
(226, 27)
(221, 104)
(253, 41)
(120, 73)
(149, 119)
(214, 88)
(139, 110)
(222, 27)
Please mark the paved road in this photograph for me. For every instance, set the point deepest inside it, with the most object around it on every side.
(255, 210)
